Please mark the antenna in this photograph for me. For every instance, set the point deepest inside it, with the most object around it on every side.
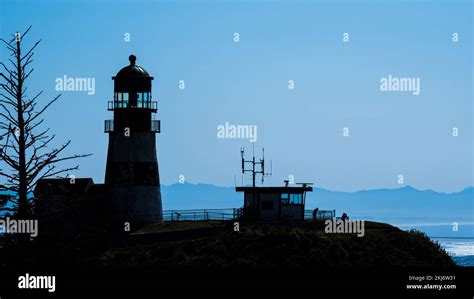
(242, 156)
(263, 161)
(252, 170)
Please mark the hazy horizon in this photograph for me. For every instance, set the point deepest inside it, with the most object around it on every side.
(319, 187)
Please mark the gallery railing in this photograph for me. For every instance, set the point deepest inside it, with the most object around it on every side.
(140, 104)
(155, 126)
(201, 215)
(320, 215)
(229, 214)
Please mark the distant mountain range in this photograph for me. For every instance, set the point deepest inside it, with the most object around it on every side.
(402, 204)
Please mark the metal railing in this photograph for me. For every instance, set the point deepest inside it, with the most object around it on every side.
(320, 215)
(229, 214)
(155, 126)
(201, 215)
(108, 125)
(112, 105)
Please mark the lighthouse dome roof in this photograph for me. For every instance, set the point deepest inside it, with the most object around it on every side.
(132, 70)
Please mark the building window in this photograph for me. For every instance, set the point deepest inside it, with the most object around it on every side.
(296, 199)
(291, 199)
(132, 100)
(121, 99)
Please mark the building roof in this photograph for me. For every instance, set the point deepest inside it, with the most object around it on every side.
(132, 70)
(63, 185)
(275, 189)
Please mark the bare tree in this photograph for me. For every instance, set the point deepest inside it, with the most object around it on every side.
(27, 152)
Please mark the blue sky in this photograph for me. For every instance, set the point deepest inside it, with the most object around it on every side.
(336, 85)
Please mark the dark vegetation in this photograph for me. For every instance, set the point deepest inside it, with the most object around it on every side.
(299, 246)
(215, 245)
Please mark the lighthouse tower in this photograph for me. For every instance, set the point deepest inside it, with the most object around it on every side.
(132, 176)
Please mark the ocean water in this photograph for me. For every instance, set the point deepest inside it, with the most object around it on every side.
(466, 261)
(457, 241)
(461, 250)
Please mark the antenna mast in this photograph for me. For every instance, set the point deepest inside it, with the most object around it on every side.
(254, 163)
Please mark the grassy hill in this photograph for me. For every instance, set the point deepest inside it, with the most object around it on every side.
(302, 246)
(214, 245)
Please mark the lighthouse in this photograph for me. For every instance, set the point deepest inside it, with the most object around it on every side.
(132, 176)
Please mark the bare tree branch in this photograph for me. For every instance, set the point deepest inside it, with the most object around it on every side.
(26, 152)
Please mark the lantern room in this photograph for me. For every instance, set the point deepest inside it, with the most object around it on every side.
(132, 104)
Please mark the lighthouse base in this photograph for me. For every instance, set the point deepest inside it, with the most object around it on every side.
(134, 206)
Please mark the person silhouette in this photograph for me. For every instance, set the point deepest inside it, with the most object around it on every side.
(344, 217)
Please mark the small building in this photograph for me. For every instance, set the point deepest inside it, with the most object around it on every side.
(67, 208)
(60, 205)
(274, 203)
